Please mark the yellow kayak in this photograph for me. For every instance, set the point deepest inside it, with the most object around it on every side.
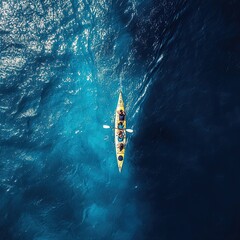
(120, 126)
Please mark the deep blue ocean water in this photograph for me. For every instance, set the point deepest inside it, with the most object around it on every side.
(61, 66)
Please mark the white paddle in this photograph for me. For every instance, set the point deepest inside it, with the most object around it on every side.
(127, 130)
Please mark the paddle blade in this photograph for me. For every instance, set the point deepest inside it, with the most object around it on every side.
(106, 126)
(129, 130)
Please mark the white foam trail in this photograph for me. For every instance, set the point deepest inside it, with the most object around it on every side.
(120, 83)
(148, 80)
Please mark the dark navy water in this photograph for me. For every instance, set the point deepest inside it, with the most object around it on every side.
(61, 66)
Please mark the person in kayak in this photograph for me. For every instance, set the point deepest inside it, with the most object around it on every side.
(120, 125)
(120, 136)
(122, 115)
(120, 146)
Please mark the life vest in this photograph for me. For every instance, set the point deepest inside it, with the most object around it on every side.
(121, 117)
(120, 139)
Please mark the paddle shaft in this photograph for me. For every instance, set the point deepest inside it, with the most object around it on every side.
(127, 129)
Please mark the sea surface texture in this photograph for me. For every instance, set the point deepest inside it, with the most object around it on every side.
(62, 64)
